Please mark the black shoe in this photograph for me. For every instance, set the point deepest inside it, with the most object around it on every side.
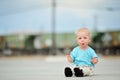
(68, 72)
(78, 72)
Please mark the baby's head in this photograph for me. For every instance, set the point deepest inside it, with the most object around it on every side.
(83, 37)
(83, 30)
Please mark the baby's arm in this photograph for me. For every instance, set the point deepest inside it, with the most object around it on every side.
(94, 60)
(69, 58)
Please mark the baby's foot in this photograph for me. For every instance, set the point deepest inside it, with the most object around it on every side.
(78, 72)
(68, 72)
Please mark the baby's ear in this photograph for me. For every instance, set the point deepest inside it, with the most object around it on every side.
(89, 41)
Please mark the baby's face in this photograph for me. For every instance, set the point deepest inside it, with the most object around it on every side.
(83, 39)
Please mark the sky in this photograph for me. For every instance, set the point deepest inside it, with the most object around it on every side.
(32, 16)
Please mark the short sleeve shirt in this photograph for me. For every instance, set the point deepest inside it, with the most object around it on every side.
(83, 57)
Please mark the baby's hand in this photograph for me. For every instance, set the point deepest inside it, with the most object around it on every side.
(94, 60)
(68, 55)
(69, 58)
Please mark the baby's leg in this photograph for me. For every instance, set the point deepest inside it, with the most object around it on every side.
(87, 70)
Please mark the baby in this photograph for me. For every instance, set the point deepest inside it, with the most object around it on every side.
(83, 56)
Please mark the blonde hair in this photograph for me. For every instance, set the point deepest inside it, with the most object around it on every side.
(83, 30)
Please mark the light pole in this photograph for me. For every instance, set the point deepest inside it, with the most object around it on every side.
(53, 49)
(95, 23)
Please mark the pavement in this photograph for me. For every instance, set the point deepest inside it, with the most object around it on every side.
(52, 68)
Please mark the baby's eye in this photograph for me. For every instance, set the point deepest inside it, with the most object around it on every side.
(79, 38)
(85, 37)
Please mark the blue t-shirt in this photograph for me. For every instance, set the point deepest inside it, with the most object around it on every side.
(83, 57)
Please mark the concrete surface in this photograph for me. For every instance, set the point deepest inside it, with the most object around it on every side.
(52, 68)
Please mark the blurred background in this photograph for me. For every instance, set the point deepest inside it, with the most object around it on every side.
(47, 27)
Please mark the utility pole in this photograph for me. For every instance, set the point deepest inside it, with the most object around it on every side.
(53, 50)
(95, 23)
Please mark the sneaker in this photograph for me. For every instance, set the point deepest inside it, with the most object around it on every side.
(78, 72)
(68, 72)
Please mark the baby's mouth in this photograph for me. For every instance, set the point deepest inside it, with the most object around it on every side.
(82, 43)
